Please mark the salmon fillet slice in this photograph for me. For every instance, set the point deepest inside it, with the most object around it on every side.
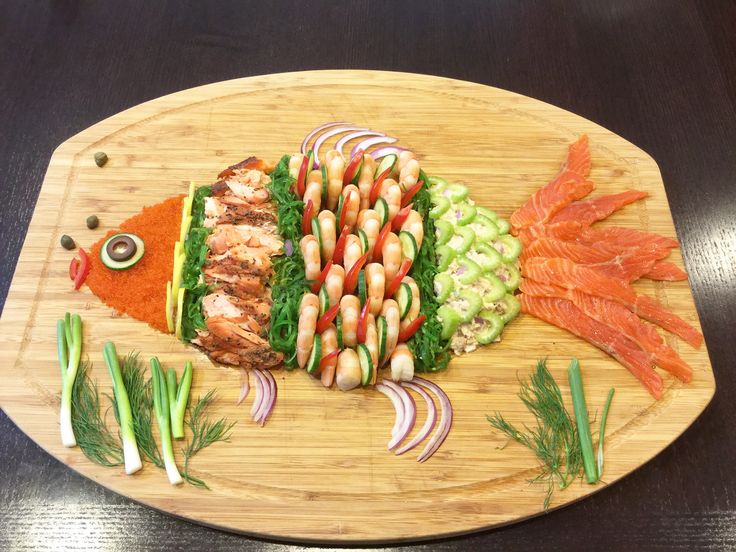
(619, 318)
(578, 156)
(617, 236)
(564, 314)
(592, 210)
(664, 270)
(566, 230)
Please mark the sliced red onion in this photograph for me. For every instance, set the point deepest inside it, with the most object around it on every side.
(443, 429)
(380, 153)
(429, 422)
(340, 144)
(458, 215)
(410, 414)
(288, 248)
(274, 392)
(259, 395)
(398, 407)
(244, 385)
(365, 144)
(315, 131)
(266, 398)
(330, 133)
(460, 270)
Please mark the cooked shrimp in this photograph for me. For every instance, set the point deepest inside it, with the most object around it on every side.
(365, 180)
(351, 205)
(415, 302)
(348, 373)
(328, 233)
(349, 312)
(408, 172)
(308, 313)
(371, 342)
(404, 157)
(353, 251)
(391, 253)
(328, 339)
(310, 251)
(333, 283)
(390, 311)
(295, 163)
(335, 170)
(370, 222)
(391, 192)
(402, 363)
(415, 226)
(314, 192)
(375, 279)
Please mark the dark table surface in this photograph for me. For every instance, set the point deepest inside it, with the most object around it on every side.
(662, 74)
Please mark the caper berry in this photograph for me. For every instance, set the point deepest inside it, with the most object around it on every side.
(100, 158)
(92, 222)
(67, 242)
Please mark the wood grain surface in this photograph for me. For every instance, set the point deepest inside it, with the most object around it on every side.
(319, 469)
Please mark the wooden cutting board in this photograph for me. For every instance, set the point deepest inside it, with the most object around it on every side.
(319, 470)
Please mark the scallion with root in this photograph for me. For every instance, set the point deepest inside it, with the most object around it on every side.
(163, 417)
(602, 431)
(178, 398)
(69, 346)
(122, 410)
(575, 379)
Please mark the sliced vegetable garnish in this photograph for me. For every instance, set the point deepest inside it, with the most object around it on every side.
(301, 179)
(366, 364)
(351, 278)
(352, 171)
(409, 247)
(393, 286)
(315, 356)
(581, 420)
(450, 321)
(83, 270)
(404, 299)
(410, 193)
(308, 217)
(381, 207)
(326, 319)
(411, 329)
(378, 246)
(327, 359)
(73, 267)
(317, 284)
(401, 217)
(387, 164)
(340, 246)
(363, 322)
(376, 188)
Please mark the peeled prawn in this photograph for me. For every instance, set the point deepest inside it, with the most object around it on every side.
(309, 246)
(353, 251)
(328, 234)
(335, 170)
(390, 311)
(328, 339)
(391, 253)
(365, 180)
(402, 363)
(333, 283)
(375, 279)
(349, 312)
(415, 302)
(391, 192)
(351, 205)
(415, 226)
(370, 222)
(308, 313)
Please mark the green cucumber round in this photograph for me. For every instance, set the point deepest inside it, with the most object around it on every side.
(113, 264)
(403, 298)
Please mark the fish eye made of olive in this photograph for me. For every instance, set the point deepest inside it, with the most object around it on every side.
(122, 251)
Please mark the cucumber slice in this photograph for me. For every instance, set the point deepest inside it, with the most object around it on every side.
(493, 288)
(511, 308)
(338, 327)
(471, 303)
(485, 229)
(317, 232)
(366, 364)
(509, 275)
(440, 207)
(323, 169)
(381, 207)
(444, 231)
(315, 356)
(503, 226)
(462, 240)
(444, 286)
(363, 240)
(437, 184)
(382, 329)
(362, 288)
(445, 255)
(324, 300)
(114, 264)
(492, 327)
(457, 192)
(388, 162)
(310, 163)
(340, 203)
(408, 245)
(489, 258)
(464, 213)
(471, 270)
(487, 213)
(450, 320)
(403, 298)
(509, 247)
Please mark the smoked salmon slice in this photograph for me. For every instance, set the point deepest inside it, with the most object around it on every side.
(564, 314)
(625, 237)
(664, 270)
(566, 230)
(651, 310)
(592, 210)
(578, 156)
(619, 318)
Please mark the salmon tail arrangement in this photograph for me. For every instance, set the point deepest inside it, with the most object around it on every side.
(577, 276)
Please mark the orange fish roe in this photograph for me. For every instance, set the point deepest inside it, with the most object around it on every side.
(140, 291)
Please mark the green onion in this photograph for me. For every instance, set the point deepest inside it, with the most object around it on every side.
(178, 398)
(123, 411)
(69, 347)
(161, 407)
(602, 431)
(581, 420)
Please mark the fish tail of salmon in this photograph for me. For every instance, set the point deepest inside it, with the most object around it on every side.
(667, 271)
(652, 310)
(578, 156)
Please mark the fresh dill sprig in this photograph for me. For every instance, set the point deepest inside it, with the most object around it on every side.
(205, 432)
(97, 442)
(554, 438)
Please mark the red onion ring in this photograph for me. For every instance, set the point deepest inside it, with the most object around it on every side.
(259, 396)
(244, 385)
(429, 422)
(410, 414)
(386, 150)
(265, 399)
(398, 406)
(273, 392)
(288, 248)
(315, 131)
(365, 144)
(340, 144)
(445, 419)
(330, 133)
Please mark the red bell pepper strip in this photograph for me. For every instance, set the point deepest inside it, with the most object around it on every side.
(411, 192)
(363, 322)
(352, 169)
(327, 359)
(340, 246)
(351, 278)
(83, 270)
(401, 217)
(376, 188)
(321, 278)
(411, 329)
(378, 246)
(327, 318)
(73, 267)
(307, 217)
(343, 209)
(396, 282)
(301, 180)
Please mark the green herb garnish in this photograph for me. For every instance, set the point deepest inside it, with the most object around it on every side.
(602, 431)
